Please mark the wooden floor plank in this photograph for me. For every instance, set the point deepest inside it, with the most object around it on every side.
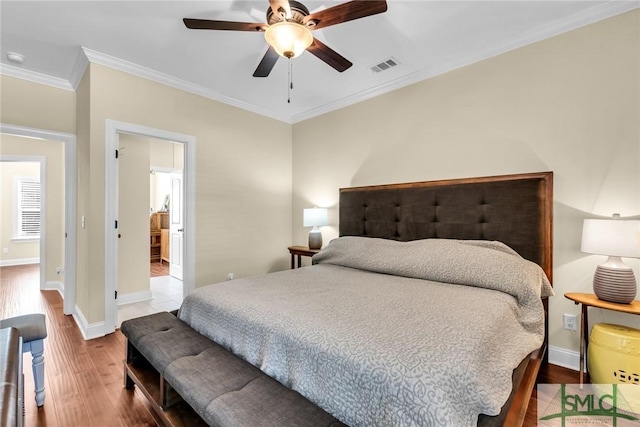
(158, 269)
(97, 400)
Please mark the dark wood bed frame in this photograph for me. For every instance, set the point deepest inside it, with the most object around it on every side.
(514, 209)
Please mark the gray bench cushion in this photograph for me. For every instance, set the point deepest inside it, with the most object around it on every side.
(163, 338)
(134, 329)
(265, 402)
(221, 387)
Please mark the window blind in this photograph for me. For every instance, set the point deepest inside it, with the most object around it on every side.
(28, 208)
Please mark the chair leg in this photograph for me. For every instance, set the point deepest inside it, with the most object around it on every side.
(37, 351)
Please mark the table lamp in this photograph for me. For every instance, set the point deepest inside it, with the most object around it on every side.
(315, 217)
(613, 281)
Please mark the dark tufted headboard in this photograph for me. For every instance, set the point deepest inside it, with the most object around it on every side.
(513, 209)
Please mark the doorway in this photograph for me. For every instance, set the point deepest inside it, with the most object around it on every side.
(149, 226)
(166, 201)
(114, 131)
(67, 265)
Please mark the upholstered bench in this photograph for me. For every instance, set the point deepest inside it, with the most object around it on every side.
(221, 388)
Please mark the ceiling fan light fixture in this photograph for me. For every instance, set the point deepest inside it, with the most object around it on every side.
(289, 39)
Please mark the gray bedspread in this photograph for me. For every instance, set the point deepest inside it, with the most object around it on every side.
(384, 333)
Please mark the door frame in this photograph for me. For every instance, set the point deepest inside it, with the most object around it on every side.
(70, 220)
(112, 129)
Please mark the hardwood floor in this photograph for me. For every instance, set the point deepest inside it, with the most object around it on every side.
(84, 379)
(158, 269)
(549, 374)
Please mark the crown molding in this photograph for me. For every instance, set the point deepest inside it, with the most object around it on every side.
(578, 20)
(165, 79)
(82, 62)
(34, 76)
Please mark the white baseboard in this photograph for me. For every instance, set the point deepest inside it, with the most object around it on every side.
(21, 261)
(134, 297)
(566, 358)
(55, 286)
(88, 331)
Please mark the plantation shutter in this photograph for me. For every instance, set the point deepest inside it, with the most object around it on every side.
(29, 208)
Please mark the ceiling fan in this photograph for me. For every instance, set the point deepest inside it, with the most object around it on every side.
(288, 30)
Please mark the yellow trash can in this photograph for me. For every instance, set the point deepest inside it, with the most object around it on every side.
(614, 358)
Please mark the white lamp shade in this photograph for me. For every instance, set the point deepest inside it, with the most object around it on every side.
(315, 217)
(612, 237)
(289, 39)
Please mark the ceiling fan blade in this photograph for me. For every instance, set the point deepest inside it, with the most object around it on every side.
(268, 62)
(284, 4)
(328, 55)
(345, 12)
(207, 24)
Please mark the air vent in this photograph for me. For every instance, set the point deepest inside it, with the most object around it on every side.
(385, 65)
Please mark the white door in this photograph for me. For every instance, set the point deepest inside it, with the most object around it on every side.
(176, 226)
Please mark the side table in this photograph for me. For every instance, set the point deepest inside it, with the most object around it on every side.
(590, 300)
(300, 251)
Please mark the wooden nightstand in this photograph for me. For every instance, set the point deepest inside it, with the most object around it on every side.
(590, 300)
(300, 251)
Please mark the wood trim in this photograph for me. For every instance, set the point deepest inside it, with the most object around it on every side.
(453, 181)
(522, 397)
(592, 300)
(302, 250)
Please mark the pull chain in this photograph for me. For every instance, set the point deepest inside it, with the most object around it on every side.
(290, 83)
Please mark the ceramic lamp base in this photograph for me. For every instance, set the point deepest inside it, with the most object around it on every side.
(614, 284)
(315, 239)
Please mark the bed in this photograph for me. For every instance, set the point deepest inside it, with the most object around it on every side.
(429, 309)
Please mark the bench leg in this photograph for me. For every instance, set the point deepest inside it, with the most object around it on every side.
(168, 395)
(36, 348)
(129, 355)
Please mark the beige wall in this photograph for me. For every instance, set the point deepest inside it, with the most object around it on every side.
(166, 154)
(17, 250)
(568, 104)
(53, 152)
(28, 104)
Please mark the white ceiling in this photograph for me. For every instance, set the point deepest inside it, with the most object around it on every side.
(148, 38)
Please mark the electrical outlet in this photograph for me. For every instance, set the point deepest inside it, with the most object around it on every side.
(5, 250)
(570, 322)
(230, 276)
